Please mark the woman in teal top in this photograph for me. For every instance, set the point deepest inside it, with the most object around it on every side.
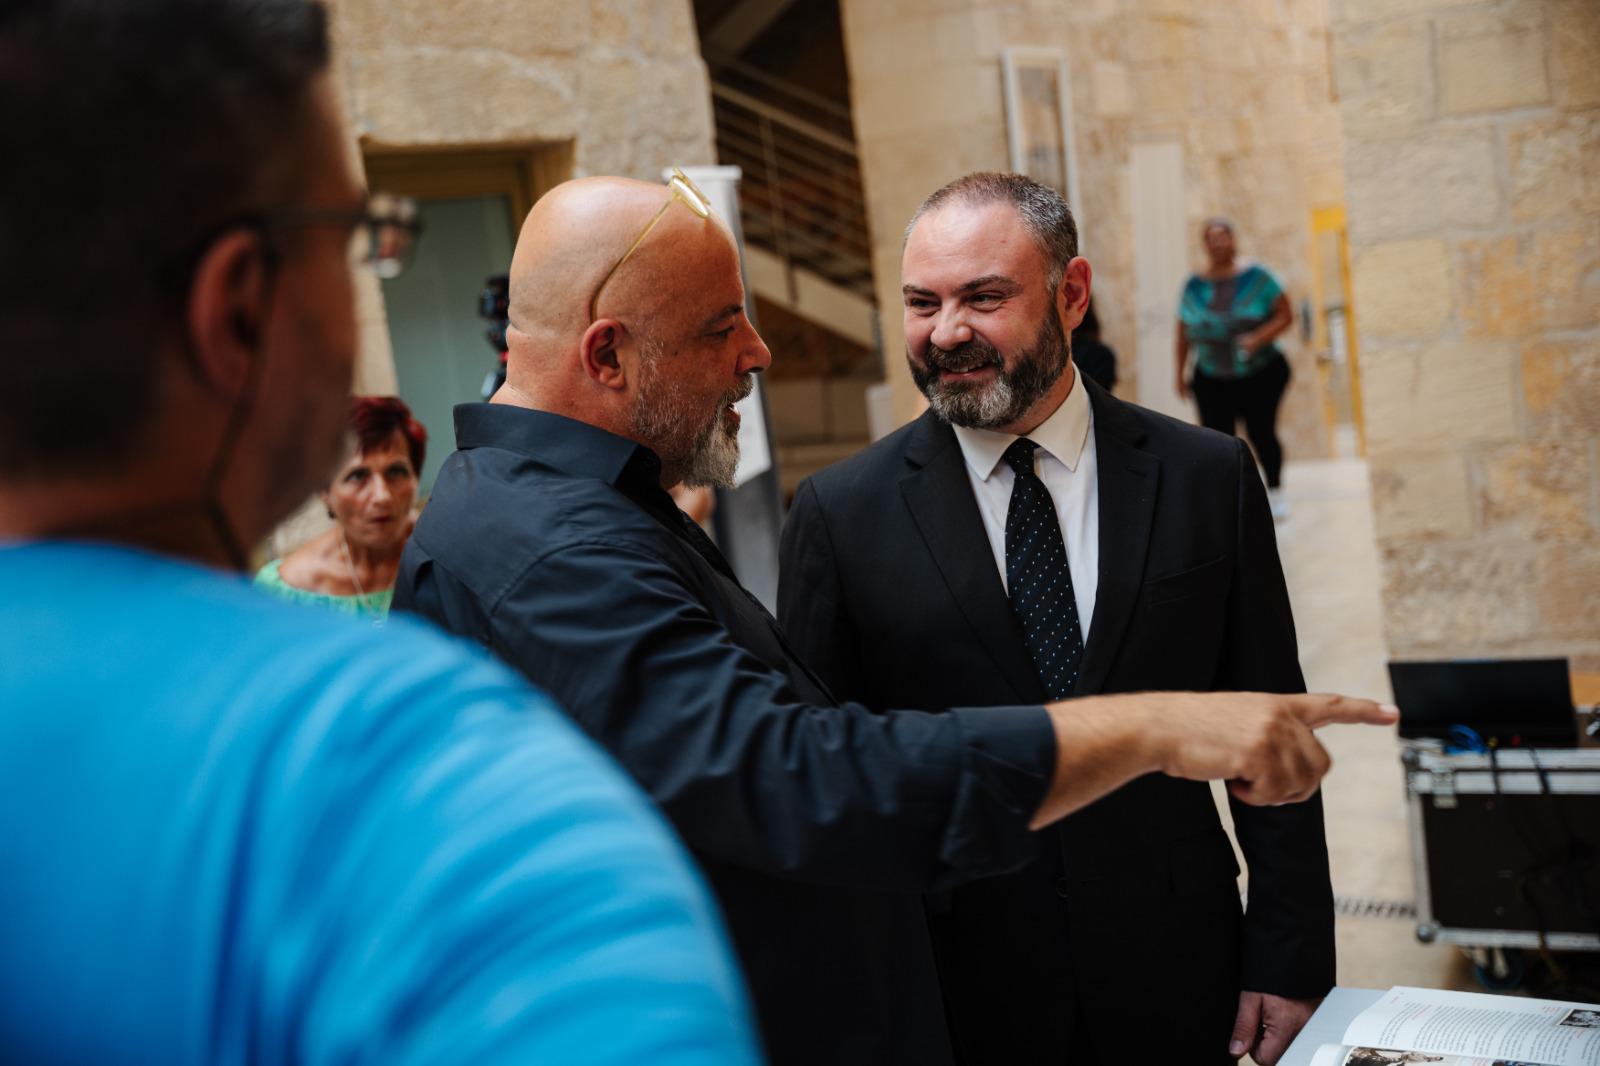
(1230, 315)
(351, 568)
(373, 605)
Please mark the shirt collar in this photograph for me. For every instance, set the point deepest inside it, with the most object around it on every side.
(565, 444)
(1063, 434)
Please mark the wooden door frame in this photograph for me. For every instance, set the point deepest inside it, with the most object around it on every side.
(520, 174)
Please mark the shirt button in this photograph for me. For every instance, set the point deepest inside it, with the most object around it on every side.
(1063, 889)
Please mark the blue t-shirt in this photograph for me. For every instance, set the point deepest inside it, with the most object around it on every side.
(237, 830)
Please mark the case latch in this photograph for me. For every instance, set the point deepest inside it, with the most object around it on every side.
(1444, 788)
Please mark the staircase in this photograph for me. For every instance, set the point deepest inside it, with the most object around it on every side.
(807, 250)
(801, 197)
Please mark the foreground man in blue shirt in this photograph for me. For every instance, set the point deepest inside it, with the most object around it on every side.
(234, 830)
(550, 538)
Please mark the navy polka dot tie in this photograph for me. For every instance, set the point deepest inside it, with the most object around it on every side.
(1038, 578)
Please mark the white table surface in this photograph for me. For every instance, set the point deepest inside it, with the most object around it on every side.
(1327, 1026)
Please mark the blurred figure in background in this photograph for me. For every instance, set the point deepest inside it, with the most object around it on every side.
(1230, 315)
(1092, 355)
(492, 309)
(699, 502)
(232, 830)
(351, 567)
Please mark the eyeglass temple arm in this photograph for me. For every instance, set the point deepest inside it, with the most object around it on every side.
(594, 301)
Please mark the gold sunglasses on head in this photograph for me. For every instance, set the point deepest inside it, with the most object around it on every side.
(683, 190)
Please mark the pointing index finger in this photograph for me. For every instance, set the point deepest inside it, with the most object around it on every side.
(1320, 709)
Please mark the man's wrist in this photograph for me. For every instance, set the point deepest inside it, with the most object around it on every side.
(1102, 743)
(1150, 741)
(1125, 727)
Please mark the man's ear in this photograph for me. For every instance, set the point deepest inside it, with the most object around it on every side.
(227, 309)
(600, 353)
(1072, 298)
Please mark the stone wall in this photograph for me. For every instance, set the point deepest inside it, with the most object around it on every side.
(1472, 159)
(621, 81)
(1242, 85)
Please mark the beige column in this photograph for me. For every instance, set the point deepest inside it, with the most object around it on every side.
(925, 89)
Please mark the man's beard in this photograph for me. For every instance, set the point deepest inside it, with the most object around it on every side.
(1008, 395)
(706, 451)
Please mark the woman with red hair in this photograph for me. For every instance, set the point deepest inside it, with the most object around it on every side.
(352, 567)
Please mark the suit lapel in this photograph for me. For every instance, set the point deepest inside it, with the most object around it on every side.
(939, 497)
(1129, 479)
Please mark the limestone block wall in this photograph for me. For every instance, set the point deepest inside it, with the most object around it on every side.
(1472, 162)
(621, 81)
(1243, 85)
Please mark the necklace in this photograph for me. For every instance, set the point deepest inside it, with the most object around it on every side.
(350, 562)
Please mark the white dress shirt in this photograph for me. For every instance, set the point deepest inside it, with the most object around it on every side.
(1065, 462)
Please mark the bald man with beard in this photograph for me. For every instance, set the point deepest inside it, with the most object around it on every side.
(551, 539)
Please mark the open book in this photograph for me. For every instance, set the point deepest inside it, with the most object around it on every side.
(1413, 1025)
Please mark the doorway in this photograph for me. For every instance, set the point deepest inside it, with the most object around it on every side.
(471, 206)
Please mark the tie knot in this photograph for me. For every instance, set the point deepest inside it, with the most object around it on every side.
(1020, 456)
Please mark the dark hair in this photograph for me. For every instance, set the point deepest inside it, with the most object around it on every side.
(133, 129)
(377, 418)
(1044, 213)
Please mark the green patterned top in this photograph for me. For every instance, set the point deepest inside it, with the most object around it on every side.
(1216, 311)
(374, 605)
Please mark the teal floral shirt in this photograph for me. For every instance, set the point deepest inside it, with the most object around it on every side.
(1215, 312)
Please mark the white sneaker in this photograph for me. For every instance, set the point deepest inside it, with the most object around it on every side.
(1278, 503)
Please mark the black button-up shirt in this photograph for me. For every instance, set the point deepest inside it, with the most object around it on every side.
(552, 543)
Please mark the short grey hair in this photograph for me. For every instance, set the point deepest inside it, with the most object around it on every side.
(1043, 211)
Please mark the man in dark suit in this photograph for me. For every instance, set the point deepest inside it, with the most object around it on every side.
(1032, 537)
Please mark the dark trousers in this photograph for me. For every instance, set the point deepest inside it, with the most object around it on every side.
(1223, 401)
(1028, 983)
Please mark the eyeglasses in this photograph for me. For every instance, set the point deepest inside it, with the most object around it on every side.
(383, 234)
(683, 190)
(383, 231)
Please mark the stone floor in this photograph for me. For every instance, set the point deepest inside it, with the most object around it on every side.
(1331, 565)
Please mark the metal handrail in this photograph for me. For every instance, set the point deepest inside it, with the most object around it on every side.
(783, 118)
(749, 133)
(820, 236)
(801, 195)
(821, 240)
(751, 124)
(811, 201)
(723, 61)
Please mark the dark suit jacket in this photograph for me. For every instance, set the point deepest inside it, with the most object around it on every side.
(889, 589)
